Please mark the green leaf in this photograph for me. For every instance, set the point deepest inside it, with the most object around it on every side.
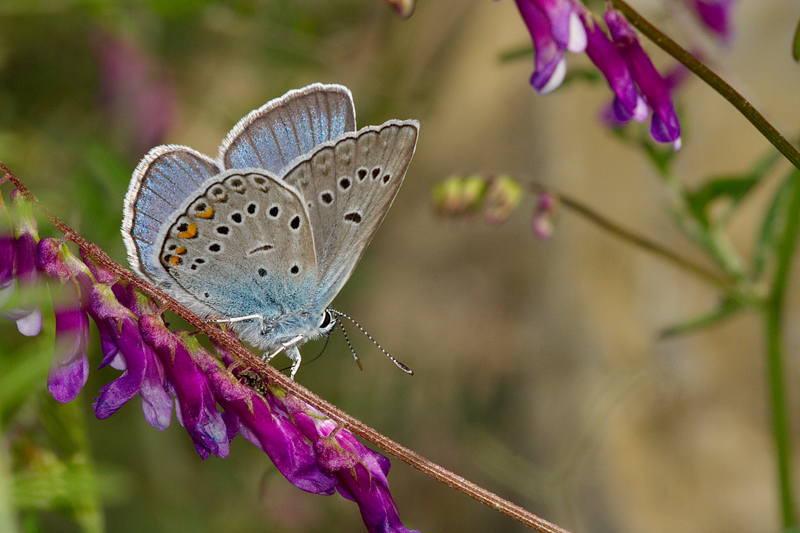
(773, 225)
(516, 53)
(727, 308)
(796, 43)
(733, 188)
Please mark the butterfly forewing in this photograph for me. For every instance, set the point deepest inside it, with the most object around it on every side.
(272, 136)
(242, 245)
(348, 186)
(160, 184)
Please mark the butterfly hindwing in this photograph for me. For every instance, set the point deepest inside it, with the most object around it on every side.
(242, 245)
(272, 136)
(348, 186)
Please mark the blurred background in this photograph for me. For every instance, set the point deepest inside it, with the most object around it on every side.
(539, 370)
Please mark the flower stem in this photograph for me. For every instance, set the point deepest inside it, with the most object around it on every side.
(774, 317)
(635, 239)
(257, 364)
(714, 81)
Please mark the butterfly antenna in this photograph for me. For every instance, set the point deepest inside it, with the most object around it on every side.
(399, 365)
(347, 340)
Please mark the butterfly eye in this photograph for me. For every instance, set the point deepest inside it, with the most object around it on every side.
(326, 320)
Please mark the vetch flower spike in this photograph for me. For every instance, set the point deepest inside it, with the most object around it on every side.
(664, 126)
(555, 27)
(271, 430)
(27, 317)
(8, 254)
(361, 472)
(627, 103)
(70, 368)
(137, 355)
(196, 404)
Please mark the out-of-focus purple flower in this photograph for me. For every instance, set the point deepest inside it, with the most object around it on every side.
(664, 126)
(555, 28)
(196, 405)
(404, 8)
(716, 16)
(269, 429)
(138, 94)
(627, 103)
(8, 254)
(26, 272)
(542, 223)
(70, 368)
(138, 357)
(360, 471)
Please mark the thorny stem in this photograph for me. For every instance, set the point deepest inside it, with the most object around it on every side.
(256, 363)
(715, 82)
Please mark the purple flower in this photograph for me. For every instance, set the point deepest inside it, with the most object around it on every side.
(70, 368)
(404, 8)
(542, 223)
(27, 317)
(138, 96)
(361, 472)
(555, 27)
(141, 364)
(716, 16)
(196, 404)
(8, 255)
(664, 126)
(267, 427)
(627, 103)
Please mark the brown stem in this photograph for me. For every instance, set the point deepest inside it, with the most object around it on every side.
(334, 413)
(634, 238)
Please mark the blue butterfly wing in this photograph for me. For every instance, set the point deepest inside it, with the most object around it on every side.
(349, 185)
(241, 245)
(161, 182)
(274, 135)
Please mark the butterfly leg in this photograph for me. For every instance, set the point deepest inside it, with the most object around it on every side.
(241, 319)
(290, 347)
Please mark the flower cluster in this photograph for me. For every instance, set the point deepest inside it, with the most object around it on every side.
(495, 198)
(165, 367)
(558, 26)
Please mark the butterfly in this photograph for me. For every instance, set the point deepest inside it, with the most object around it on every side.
(265, 235)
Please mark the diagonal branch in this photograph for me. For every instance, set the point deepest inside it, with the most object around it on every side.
(334, 413)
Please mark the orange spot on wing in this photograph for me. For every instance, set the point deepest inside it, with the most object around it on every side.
(190, 232)
(208, 213)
